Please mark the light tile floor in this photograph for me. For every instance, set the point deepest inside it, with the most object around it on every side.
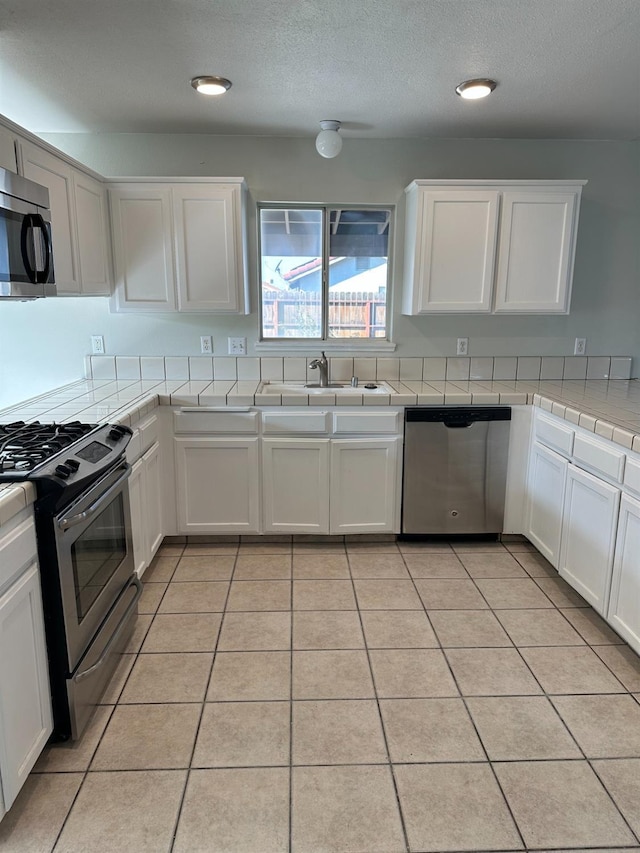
(373, 697)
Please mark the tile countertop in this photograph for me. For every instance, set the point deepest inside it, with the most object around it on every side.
(609, 408)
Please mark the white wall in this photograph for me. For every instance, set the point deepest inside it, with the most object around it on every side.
(42, 343)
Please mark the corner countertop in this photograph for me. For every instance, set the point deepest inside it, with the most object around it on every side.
(609, 408)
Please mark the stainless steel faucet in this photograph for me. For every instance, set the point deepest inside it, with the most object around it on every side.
(323, 366)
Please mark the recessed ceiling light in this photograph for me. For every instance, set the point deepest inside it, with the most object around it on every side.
(473, 89)
(211, 85)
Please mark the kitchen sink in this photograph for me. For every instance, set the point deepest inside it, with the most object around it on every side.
(267, 387)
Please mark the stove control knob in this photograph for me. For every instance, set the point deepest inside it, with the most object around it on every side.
(63, 471)
(115, 434)
(72, 463)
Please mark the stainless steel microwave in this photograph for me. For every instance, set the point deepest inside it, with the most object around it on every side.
(26, 255)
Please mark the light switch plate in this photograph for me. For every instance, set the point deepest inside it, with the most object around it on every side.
(237, 346)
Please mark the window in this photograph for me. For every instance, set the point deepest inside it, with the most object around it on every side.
(323, 272)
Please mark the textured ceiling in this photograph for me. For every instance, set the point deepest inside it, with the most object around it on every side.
(385, 68)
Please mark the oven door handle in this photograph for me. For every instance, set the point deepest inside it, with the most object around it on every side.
(135, 581)
(66, 523)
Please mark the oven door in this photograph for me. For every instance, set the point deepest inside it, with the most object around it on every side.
(95, 558)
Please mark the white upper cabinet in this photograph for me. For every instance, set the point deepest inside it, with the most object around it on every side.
(483, 246)
(180, 246)
(79, 224)
(7, 150)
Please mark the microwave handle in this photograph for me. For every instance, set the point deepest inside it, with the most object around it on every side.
(31, 222)
(27, 229)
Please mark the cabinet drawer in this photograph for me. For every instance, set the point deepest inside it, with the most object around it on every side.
(277, 423)
(599, 457)
(632, 475)
(17, 549)
(205, 422)
(149, 432)
(366, 423)
(554, 435)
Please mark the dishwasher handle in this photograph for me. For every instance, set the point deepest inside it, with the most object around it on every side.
(457, 416)
(458, 424)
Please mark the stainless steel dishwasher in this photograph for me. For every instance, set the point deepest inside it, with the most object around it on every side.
(455, 469)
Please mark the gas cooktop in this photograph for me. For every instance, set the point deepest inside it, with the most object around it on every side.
(23, 446)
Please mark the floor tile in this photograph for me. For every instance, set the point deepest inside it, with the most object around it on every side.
(255, 631)
(183, 632)
(591, 627)
(75, 755)
(513, 593)
(136, 640)
(170, 550)
(38, 812)
(370, 547)
(327, 629)
(604, 726)
(438, 818)
(424, 547)
(561, 804)
(264, 548)
(448, 594)
(243, 734)
(148, 737)
(535, 564)
(262, 567)
(345, 809)
(151, 597)
(323, 595)
(311, 566)
(331, 675)
(160, 570)
(518, 546)
(260, 595)
(211, 548)
(477, 546)
(624, 663)
(243, 676)
(622, 780)
(318, 546)
(521, 728)
(204, 568)
(491, 672)
(195, 597)
(539, 628)
(168, 678)
(124, 811)
(377, 565)
(246, 810)
(411, 673)
(396, 594)
(560, 593)
(397, 629)
(430, 565)
(339, 731)
(429, 730)
(574, 669)
(468, 629)
(118, 680)
(499, 565)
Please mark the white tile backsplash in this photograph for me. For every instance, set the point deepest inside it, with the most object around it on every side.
(598, 367)
(176, 367)
(103, 367)
(224, 368)
(272, 369)
(152, 367)
(295, 369)
(388, 368)
(201, 367)
(248, 368)
(528, 368)
(575, 367)
(434, 368)
(458, 368)
(620, 368)
(340, 369)
(481, 368)
(505, 368)
(411, 368)
(364, 368)
(552, 367)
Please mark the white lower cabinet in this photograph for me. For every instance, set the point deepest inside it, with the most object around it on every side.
(218, 485)
(588, 536)
(546, 487)
(295, 485)
(138, 525)
(146, 508)
(624, 602)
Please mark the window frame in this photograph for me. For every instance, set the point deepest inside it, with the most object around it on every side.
(330, 342)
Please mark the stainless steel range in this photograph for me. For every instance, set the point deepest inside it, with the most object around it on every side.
(89, 588)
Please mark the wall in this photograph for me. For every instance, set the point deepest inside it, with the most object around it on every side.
(42, 343)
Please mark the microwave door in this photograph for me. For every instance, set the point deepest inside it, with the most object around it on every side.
(41, 248)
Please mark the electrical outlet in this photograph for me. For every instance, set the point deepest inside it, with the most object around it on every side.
(97, 344)
(580, 346)
(462, 347)
(206, 344)
(237, 346)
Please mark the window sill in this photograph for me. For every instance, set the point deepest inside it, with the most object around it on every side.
(327, 346)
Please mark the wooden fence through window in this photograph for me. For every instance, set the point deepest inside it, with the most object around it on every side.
(298, 314)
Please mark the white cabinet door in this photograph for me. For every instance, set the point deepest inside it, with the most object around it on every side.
(44, 168)
(218, 485)
(7, 150)
(93, 235)
(152, 484)
(209, 248)
(365, 486)
(624, 602)
(450, 251)
(142, 231)
(138, 517)
(588, 536)
(546, 485)
(295, 485)
(25, 706)
(537, 246)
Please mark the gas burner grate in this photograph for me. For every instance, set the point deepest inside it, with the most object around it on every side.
(24, 446)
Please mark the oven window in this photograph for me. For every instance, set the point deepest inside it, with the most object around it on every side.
(97, 553)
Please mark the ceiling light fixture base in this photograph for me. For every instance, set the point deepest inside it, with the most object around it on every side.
(472, 90)
(329, 141)
(207, 85)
